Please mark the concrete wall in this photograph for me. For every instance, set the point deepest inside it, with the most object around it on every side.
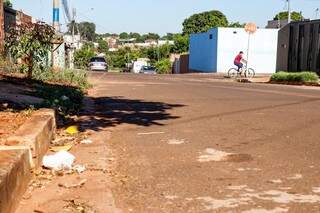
(203, 51)
(263, 48)
(217, 54)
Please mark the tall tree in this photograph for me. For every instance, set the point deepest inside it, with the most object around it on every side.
(181, 43)
(31, 43)
(87, 30)
(202, 22)
(236, 25)
(124, 35)
(295, 16)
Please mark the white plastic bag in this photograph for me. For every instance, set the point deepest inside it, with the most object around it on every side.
(62, 160)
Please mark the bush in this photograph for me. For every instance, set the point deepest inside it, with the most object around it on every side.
(295, 77)
(164, 66)
(76, 78)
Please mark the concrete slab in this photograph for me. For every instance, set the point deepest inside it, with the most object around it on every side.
(15, 174)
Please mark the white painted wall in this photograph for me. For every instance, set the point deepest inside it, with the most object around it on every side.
(263, 49)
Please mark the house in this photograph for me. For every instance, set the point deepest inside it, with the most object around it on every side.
(215, 50)
(299, 47)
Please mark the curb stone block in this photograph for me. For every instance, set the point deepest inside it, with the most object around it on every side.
(23, 153)
(15, 174)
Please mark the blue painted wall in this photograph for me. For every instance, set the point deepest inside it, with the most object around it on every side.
(203, 51)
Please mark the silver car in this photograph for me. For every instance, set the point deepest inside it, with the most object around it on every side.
(98, 64)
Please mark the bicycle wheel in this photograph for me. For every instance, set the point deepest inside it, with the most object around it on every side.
(232, 73)
(250, 73)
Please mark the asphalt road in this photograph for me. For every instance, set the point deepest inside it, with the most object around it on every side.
(193, 143)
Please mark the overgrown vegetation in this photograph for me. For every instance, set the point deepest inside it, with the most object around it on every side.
(82, 57)
(30, 43)
(295, 77)
(164, 66)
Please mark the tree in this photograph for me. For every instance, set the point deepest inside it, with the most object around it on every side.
(181, 43)
(87, 30)
(168, 36)
(7, 3)
(295, 16)
(151, 36)
(30, 42)
(236, 25)
(202, 22)
(124, 35)
(102, 46)
(82, 57)
(164, 66)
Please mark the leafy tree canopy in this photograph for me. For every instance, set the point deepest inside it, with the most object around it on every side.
(295, 16)
(87, 30)
(31, 43)
(7, 3)
(202, 22)
(236, 25)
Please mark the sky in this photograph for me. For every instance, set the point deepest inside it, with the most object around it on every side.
(163, 16)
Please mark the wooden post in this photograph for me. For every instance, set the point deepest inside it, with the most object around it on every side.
(1, 27)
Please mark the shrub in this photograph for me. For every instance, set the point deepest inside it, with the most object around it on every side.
(68, 77)
(295, 77)
(164, 66)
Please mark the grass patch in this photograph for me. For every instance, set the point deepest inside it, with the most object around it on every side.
(68, 77)
(295, 77)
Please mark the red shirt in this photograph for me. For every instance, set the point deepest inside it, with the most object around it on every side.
(238, 58)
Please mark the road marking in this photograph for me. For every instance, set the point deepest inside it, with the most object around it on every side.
(150, 133)
(276, 210)
(295, 177)
(213, 155)
(176, 142)
(316, 190)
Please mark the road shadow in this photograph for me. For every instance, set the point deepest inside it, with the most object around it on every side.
(113, 111)
(17, 94)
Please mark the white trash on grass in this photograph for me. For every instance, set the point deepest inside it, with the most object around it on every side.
(62, 160)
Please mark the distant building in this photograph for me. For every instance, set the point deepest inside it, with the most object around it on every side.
(299, 47)
(215, 50)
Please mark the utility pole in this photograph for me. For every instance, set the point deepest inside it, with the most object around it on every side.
(289, 11)
(56, 26)
(1, 27)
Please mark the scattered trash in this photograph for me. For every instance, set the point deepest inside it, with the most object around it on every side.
(62, 160)
(61, 148)
(86, 141)
(72, 130)
(78, 185)
(62, 141)
(79, 168)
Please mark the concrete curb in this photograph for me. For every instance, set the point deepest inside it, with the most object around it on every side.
(22, 153)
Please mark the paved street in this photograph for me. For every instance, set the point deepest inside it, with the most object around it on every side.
(196, 144)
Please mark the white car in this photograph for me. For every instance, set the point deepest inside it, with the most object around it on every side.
(98, 64)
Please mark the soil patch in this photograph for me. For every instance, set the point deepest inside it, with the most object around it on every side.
(10, 122)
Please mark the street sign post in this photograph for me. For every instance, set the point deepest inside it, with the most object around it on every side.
(250, 28)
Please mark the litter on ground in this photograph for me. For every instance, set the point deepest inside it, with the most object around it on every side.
(62, 160)
(72, 130)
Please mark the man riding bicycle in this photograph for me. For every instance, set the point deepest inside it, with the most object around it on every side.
(238, 61)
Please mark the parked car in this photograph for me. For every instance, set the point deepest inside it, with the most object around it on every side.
(148, 70)
(98, 64)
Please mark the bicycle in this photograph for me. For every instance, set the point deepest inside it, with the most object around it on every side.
(248, 72)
